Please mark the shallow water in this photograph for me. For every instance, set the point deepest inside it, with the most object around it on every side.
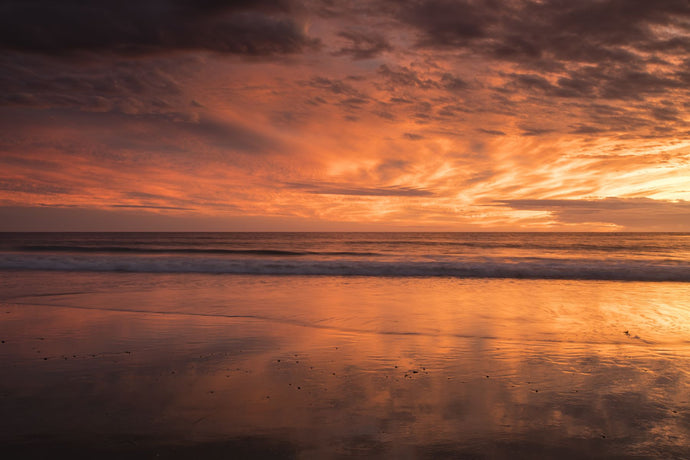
(313, 367)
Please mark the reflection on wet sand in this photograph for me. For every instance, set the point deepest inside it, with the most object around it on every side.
(327, 367)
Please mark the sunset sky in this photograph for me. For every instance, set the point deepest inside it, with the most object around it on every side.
(465, 115)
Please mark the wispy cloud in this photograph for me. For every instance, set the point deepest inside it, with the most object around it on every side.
(343, 189)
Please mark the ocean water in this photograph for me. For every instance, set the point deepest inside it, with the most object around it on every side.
(610, 256)
(332, 345)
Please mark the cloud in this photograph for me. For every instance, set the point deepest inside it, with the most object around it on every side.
(560, 30)
(96, 85)
(141, 206)
(113, 134)
(629, 213)
(34, 187)
(491, 132)
(344, 189)
(404, 76)
(214, 105)
(363, 44)
(600, 82)
(134, 28)
(445, 23)
(334, 86)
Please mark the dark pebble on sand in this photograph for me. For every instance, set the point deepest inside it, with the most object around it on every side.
(415, 372)
(3, 341)
(45, 359)
(299, 388)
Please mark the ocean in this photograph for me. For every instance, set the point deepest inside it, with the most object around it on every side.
(332, 345)
(587, 256)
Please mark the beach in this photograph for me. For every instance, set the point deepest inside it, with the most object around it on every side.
(181, 365)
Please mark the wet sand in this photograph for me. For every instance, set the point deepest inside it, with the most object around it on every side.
(181, 366)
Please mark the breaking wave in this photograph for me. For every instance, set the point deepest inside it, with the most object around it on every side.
(520, 268)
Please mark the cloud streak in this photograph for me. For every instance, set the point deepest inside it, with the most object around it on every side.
(631, 213)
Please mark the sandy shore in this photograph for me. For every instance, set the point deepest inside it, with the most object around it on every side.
(218, 367)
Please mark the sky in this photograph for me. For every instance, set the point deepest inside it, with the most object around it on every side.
(326, 115)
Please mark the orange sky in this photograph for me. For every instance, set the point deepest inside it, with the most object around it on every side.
(379, 115)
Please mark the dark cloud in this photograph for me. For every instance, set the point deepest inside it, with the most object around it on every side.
(341, 189)
(586, 129)
(561, 30)
(452, 82)
(534, 131)
(599, 82)
(385, 115)
(333, 86)
(141, 206)
(445, 23)
(628, 50)
(35, 187)
(149, 26)
(354, 102)
(492, 132)
(120, 138)
(33, 163)
(348, 97)
(630, 213)
(99, 85)
(364, 44)
(404, 76)
(532, 82)
(666, 113)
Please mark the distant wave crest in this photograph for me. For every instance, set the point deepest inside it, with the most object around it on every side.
(211, 251)
(528, 268)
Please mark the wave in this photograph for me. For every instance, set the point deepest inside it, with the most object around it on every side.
(211, 251)
(528, 268)
(549, 245)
